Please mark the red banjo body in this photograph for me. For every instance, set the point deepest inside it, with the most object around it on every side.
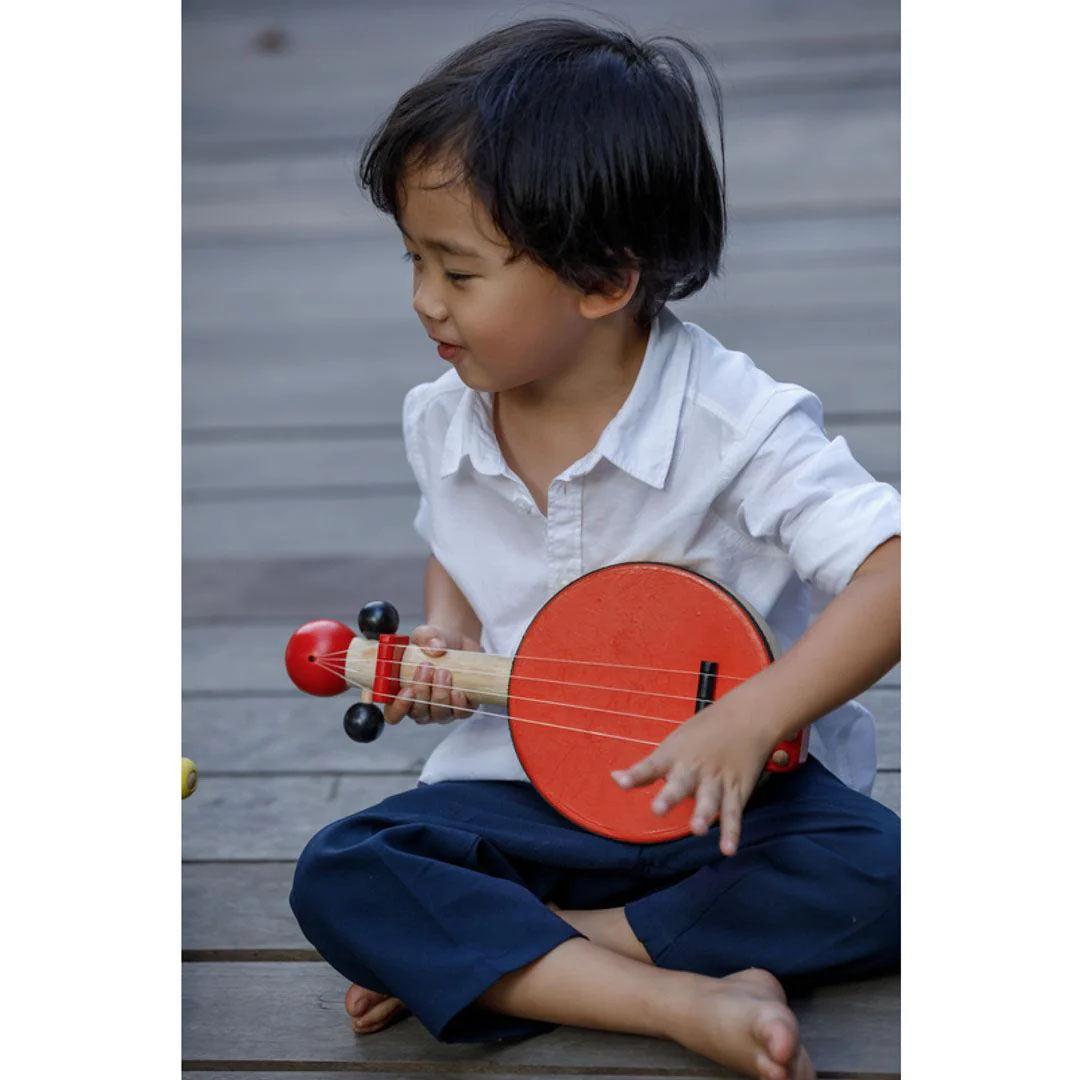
(606, 670)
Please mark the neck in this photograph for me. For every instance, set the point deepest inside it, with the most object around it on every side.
(596, 382)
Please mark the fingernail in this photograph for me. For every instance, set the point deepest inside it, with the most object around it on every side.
(437, 643)
(408, 694)
(620, 778)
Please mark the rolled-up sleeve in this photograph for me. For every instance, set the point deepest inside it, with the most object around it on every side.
(808, 495)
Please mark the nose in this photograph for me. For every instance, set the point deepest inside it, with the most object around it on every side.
(427, 300)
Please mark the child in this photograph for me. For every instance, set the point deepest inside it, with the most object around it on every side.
(554, 187)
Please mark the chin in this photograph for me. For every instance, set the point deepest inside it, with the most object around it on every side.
(475, 380)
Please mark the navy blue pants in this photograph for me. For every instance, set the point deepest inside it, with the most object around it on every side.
(436, 893)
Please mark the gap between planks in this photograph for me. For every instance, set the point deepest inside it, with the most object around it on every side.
(378, 1069)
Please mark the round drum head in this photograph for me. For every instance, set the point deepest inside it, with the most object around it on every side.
(610, 667)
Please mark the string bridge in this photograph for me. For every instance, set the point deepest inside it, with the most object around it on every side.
(706, 687)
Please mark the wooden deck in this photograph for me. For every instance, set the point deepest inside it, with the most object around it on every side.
(298, 347)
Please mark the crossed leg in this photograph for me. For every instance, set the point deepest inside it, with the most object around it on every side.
(371, 1011)
(607, 981)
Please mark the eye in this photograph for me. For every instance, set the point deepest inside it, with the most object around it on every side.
(458, 278)
(410, 257)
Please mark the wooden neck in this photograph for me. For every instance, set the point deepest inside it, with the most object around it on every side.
(482, 677)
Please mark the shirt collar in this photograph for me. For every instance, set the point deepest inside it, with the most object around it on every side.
(639, 439)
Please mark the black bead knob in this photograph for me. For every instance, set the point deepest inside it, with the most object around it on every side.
(377, 618)
(363, 723)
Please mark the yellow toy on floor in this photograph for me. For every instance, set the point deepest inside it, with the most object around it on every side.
(189, 777)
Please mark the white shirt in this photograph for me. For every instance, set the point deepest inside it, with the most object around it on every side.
(710, 464)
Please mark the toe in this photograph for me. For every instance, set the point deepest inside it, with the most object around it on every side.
(804, 1070)
(778, 1033)
(385, 1011)
(358, 999)
(767, 1069)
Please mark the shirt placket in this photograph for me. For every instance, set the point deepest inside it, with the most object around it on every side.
(564, 532)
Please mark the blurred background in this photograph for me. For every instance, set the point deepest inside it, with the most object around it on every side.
(299, 344)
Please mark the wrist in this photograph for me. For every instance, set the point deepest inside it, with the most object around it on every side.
(764, 708)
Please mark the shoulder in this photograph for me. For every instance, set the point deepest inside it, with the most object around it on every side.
(426, 417)
(432, 400)
(727, 388)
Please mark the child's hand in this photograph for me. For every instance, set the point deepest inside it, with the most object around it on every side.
(717, 755)
(431, 697)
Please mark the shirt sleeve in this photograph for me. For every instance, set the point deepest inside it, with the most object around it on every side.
(411, 425)
(808, 495)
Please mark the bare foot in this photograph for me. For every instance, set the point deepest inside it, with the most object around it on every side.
(371, 1011)
(743, 1021)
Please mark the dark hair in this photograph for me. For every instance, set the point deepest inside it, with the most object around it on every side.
(587, 146)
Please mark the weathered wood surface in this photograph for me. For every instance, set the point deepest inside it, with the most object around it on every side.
(358, 466)
(292, 733)
(233, 658)
(238, 909)
(298, 347)
(273, 817)
(243, 1015)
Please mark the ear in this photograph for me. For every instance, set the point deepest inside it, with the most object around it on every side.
(595, 305)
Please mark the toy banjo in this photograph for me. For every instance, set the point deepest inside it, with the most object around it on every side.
(608, 667)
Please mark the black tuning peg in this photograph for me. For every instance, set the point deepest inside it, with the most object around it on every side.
(363, 722)
(377, 618)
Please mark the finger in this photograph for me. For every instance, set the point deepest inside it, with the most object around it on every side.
(730, 819)
(707, 805)
(440, 696)
(431, 639)
(643, 772)
(421, 688)
(461, 705)
(399, 708)
(680, 783)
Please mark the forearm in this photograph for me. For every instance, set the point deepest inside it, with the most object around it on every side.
(445, 604)
(852, 644)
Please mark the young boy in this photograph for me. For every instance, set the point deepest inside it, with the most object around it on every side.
(554, 187)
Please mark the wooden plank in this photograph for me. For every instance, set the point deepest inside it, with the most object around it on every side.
(414, 1069)
(289, 588)
(247, 1015)
(264, 818)
(338, 74)
(302, 734)
(240, 910)
(273, 818)
(359, 372)
(224, 468)
(297, 734)
(303, 528)
(271, 464)
(234, 658)
(268, 285)
(846, 196)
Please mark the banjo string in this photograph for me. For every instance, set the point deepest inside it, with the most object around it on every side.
(541, 701)
(342, 654)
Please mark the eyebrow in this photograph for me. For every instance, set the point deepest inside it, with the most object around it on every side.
(445, 246)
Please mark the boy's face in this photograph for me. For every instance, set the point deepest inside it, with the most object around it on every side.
(502, 322)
